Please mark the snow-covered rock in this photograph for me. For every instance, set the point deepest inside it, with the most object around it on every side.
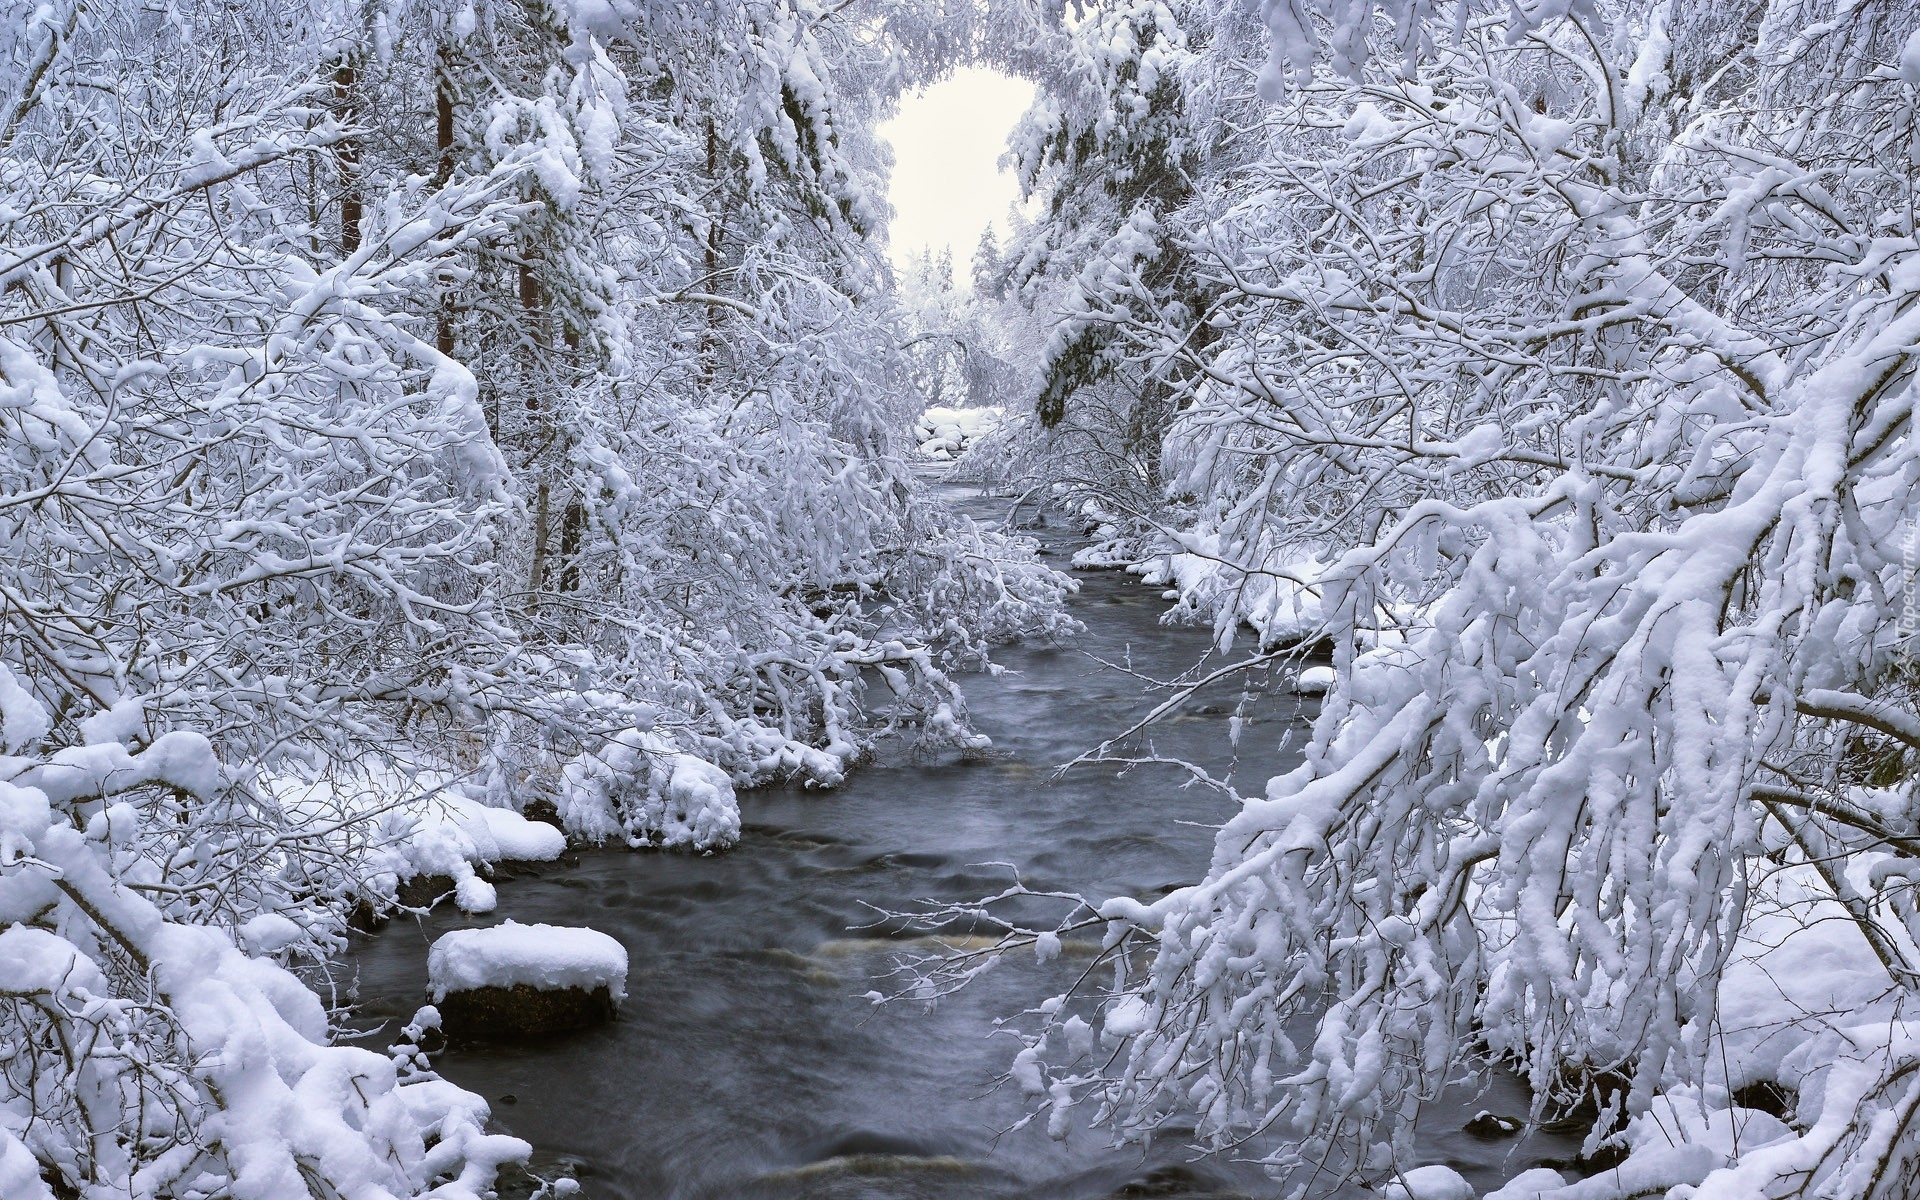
(543, 957)
(946, 433)
(1113, 553)
(1529, 1185)
(452, 835)
(1434, 1182)
(1678, 1119)
(525, 980)
(1314, 681)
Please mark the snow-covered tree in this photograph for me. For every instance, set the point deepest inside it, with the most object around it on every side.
(724, 541)
(245, 513)
(1559, 374)
(504, 396)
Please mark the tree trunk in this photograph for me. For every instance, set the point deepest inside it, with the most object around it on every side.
(573, 529)
(537, 577)
(346, 156)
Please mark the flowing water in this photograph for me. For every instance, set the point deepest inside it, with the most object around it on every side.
(747, 1062)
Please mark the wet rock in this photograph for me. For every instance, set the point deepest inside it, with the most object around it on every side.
(364, 917)
(422, 891)
(1169, 1182)
(524, 1011)
(1493, 1126)
(543, 811)
(1767, 1096)
(1583, 1166)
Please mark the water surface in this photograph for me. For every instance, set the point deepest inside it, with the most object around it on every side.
(747, 1061)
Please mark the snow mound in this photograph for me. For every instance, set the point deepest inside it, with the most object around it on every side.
(455, 829)
(1529, 1185)
(1280, 597)
(1314, 681)
(1428, 1183)
(20, 1171)
(946, 433)
(1108, 554)
(547, 957)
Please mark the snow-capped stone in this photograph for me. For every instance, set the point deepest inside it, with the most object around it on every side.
(544, 957)
(1435, 1182)
(1529, 1185)
(1314, 681)
(943, 432)
(450, 834)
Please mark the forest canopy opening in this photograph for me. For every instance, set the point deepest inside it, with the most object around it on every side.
(947, 186)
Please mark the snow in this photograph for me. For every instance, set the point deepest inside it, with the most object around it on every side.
(35, 961)
(641, 785)
(548, 957)
(269, 933)
(945, 433)
(487, 834)
(24, 816)
(1127, 1016)
(1799, 968)
(1529, 1185)
(180, 758)
(23, 719)
(1434, 1182)
(1678, 1119)
(1315, 681)
(19, 1172)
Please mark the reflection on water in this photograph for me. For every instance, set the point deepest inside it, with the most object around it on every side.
(746, 1063)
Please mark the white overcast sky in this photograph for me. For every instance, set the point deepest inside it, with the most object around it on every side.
(946, 143)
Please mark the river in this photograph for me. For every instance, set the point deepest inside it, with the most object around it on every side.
(746, 1062)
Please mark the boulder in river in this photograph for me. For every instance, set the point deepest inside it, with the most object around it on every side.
(1529, 1185)
(515, 980)
(1492, 1126)
(1436, 1182)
